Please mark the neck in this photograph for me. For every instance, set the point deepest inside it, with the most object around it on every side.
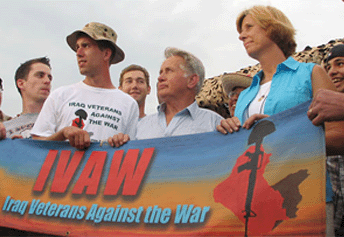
(101, 80)
(175, 106)
(32, 107)
(142, 110)
(269, 62)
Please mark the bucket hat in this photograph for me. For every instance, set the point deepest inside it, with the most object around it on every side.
(231, 80)
(98, 31)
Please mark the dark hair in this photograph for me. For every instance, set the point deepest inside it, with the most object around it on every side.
(24, 68)
(134, 67)
(104, 44)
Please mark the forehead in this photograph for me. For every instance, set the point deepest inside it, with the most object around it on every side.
(173, 61)
(334, 60)
(85, 39)
(40, 67)
(248, 19)
(134, 74)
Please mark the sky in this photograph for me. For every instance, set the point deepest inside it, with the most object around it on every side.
(145, 28)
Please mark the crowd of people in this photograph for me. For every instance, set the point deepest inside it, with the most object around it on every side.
(94, 110)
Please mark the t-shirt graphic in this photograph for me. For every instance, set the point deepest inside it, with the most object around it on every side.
(78, 122)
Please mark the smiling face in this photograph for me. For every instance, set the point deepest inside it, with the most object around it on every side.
(90, 57)
(335, 69)
(36, 87)
(135, 84)
(254, 37)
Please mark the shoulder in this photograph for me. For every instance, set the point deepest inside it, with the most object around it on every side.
(208, 112)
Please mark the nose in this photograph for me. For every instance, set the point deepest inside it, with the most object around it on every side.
(242, 36)
(161, 77)
(333, 71)
(79, 52)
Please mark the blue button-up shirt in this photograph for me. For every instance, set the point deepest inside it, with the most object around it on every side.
(190, 120)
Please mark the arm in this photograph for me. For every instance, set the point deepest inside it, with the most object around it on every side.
(233, 124)
(2, 131)
(334, 131)
(77, 137)
(326, 106)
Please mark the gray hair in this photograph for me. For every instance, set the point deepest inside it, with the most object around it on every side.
(192, 64)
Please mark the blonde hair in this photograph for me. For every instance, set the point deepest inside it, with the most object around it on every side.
(278, 27)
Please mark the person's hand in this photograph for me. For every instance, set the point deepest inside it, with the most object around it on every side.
(77, 137)
(118, 139)
(254, 118)
(229, 125)
(17, 137)
(2, 131)
(326, 106)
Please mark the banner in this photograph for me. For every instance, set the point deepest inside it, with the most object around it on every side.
(269, 180)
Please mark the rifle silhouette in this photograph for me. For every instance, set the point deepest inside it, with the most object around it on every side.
(257, 135)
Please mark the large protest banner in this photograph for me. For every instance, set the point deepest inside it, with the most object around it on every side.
(269, 180)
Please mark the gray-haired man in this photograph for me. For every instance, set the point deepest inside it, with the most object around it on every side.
(181, 77)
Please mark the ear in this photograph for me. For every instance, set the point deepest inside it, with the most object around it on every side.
(107, 54)
(193, 81)
(148, 90)
(120, 87)
(20, 83)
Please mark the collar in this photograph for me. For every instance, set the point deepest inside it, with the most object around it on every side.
(190, 110)
(290, 63)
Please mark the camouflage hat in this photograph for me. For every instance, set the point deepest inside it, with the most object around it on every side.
(98, 31)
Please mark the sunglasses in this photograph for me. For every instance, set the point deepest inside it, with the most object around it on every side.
(1, 88)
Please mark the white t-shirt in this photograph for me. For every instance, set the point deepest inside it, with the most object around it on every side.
(101, 112)
(20, 125)
(257, 105)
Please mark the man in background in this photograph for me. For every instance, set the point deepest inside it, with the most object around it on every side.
(33, 81)
(3, 116)
(134, 80)
(328, 106)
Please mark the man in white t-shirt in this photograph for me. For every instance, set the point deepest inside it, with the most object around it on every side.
(93, 109)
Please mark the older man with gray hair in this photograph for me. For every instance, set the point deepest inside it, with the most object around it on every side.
(180, 79)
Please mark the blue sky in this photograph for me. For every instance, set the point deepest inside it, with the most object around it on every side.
(30, 29)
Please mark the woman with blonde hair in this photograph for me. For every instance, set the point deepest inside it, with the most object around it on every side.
(268, 36)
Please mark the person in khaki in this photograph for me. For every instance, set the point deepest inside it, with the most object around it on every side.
(91, 110)
(134, 80)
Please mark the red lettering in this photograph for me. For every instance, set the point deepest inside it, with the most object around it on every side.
(91, 174)
(64, 171)
(133, 178)
(45, 170)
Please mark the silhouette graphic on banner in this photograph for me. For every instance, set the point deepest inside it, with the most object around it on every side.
(249, 196)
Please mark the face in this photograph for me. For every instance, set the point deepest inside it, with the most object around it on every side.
(172, 80)
(254, 37)
(134, 83)
(36, 87)
(89, 56)
(335, 69)
(233, 98)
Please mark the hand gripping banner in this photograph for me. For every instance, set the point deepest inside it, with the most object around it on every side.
(266, 181)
